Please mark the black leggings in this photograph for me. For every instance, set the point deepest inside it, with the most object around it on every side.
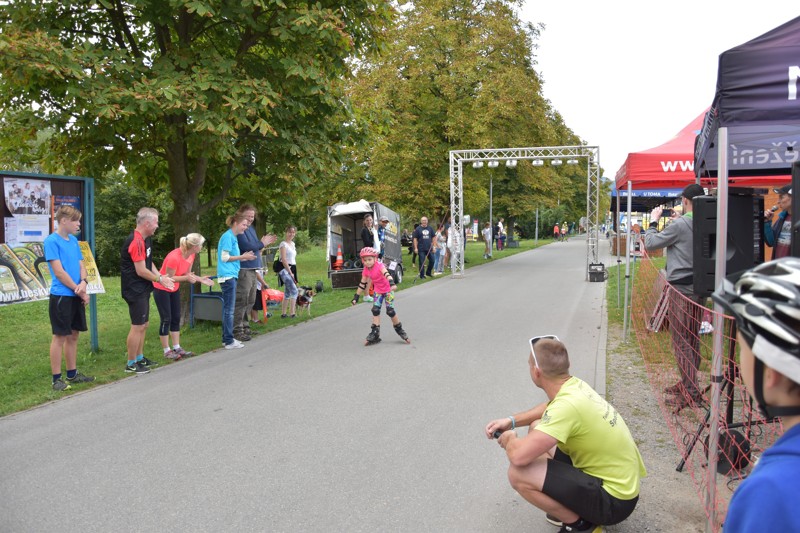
(169, 309)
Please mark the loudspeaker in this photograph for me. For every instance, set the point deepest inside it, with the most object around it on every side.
(744, 248)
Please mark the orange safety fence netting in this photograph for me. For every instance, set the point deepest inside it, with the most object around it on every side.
(675, 335)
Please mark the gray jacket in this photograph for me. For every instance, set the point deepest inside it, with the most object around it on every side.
(677, 239)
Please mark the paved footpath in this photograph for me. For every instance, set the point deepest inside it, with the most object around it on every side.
(306, 429)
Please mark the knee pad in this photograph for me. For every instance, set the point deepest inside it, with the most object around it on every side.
(376, 311)
(390, 312)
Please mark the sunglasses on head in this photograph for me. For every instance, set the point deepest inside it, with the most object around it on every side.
(533, 342)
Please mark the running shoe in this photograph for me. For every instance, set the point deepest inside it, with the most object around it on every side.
(80, 378)
(183, 353)
(147, 362)
(60, 386)
(137, 368)
(172, 354)
(234, 345)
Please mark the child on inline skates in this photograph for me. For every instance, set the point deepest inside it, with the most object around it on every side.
(384, 288)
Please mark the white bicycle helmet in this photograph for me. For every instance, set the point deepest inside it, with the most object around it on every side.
(765, 302)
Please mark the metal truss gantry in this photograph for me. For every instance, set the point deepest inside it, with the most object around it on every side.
(590, 153)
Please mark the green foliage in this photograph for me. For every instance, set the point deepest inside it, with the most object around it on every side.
(456, 74)
(116, 205)
(201, 99)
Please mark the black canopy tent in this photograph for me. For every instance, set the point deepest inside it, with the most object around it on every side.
(757, 101)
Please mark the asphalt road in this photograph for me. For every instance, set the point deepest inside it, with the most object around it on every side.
(306, 429)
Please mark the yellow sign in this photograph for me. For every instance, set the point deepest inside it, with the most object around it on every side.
(92, 275)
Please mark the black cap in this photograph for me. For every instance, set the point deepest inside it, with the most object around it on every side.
(786, 189)
(690, 191)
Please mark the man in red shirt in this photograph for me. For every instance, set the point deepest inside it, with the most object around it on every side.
(137, 275)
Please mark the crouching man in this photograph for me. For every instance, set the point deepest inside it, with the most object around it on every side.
(578, 463)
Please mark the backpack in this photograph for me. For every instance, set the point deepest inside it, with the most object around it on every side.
(277, 266)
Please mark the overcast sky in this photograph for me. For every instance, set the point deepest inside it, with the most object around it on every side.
(628, 75)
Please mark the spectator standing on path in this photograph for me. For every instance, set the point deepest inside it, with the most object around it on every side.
(137, 275)
(779, 234)
(288, 276)
(229, 259)
(501, 235)
(765, 302)
(177, 266)
(685, 309)
(487, 240)
(439, 246)
(247, 281)
(423, 241)
(68, 296)
(578, 463)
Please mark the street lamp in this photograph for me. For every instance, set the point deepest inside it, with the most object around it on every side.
(537, 162)
(555, 162)
(511, 163)
(572, 161)
(477, 164)
(493, 164)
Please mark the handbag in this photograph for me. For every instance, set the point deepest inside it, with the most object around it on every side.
(277, 266)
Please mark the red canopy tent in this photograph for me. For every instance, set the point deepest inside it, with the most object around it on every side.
(668, 166)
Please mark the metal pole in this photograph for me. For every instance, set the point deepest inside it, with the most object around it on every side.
(716, 361)
(627, 264)
(536, 241)
(491, 220)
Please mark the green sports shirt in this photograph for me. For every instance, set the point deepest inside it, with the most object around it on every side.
(595, 437)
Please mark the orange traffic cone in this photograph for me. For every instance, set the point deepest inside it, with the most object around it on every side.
(337, 265)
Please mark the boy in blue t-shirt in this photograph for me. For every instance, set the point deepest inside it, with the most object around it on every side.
(765, 302)
(68, 296)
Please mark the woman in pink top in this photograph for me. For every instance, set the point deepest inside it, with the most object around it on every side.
(384, 288)
(178, 266)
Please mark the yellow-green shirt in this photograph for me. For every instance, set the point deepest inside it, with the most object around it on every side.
(595, 437)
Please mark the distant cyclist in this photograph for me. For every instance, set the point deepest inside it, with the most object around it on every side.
(765, 302)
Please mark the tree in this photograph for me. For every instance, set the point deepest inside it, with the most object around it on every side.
(457, 74)
(201, 98)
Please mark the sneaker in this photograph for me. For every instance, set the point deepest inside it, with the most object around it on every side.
(172, 354)
(553, 520)
(137, 368)
(60, 386)
(80, 378)
(234, 345)
(147, 363)
(183, 353)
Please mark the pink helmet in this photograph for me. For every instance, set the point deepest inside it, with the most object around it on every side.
(368, 251)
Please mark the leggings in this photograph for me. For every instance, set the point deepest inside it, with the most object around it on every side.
(169, 309)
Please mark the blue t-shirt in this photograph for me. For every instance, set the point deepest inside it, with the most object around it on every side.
(228, 243)
(68, 251)
(767, 499)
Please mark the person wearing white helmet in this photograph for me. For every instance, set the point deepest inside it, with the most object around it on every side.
(765, 302)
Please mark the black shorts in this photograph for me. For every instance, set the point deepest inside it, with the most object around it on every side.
(67, 314)
(139, 309)
(584, 494)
